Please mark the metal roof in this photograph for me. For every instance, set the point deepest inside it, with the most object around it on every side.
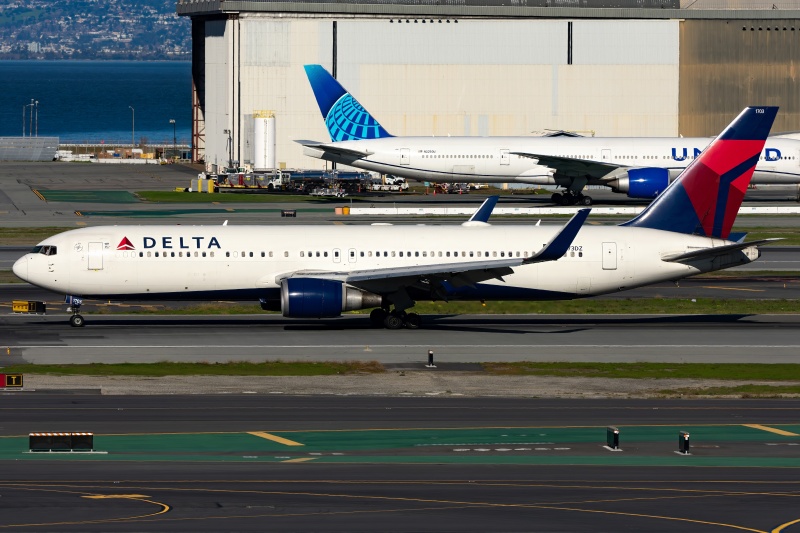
(600, 9)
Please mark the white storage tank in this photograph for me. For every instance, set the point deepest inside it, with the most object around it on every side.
(264, 140)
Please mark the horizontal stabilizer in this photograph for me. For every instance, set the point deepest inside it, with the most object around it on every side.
(333, 149)
(709, 253)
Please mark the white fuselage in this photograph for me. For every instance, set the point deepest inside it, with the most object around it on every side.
(248, 262)
(491, 159)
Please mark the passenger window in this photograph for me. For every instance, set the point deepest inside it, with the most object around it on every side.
(212, 254)
(195, 254)
(172, 254)
(204, 254)
(148, 254)
(227, 254)
(141, 254)
(401, 254)
(325, 254)
(302, 254)
(416, 254)
(251, 254)
(156, 254)
(448, 254)
(285, 254)
(270, 254)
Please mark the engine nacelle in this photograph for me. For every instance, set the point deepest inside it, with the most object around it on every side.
(323, 298)
(642, 182)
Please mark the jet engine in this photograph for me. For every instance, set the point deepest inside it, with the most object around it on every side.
(641, 182)
(323, 298)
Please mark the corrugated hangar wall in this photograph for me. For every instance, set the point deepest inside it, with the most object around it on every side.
(471, 77)
(727, 65)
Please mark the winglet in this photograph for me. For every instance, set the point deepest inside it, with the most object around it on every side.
(559, 244)
(483, 212)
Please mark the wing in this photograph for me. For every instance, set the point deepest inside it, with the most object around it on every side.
(333, 149)
(569, 166)
(387, 280)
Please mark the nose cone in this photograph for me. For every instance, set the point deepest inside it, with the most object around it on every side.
(20, 268)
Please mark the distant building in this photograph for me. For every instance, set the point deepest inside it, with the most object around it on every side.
(489, 67)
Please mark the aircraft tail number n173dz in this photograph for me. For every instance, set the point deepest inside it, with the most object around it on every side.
(641, 167)
(323, 271)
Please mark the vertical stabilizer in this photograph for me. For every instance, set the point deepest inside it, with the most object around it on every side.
(706, 197)
(345, 118)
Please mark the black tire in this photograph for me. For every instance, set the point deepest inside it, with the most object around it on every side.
(586, 200)
(567, 199)
(413, 321)
(77, 321)
(556, 198)
(393, 321)
(376, 316)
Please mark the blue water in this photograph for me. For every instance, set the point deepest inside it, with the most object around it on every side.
(88, 101)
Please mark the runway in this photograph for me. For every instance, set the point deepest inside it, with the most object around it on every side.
(457, 339)
(240, 463)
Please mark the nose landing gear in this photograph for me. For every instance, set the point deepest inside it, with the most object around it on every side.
(76, 320)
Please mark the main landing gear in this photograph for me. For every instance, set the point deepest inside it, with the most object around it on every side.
(571, 199)
(395, 319)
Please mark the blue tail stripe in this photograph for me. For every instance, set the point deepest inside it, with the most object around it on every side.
(750, 126)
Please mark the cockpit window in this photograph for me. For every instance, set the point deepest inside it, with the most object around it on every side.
(45, 250)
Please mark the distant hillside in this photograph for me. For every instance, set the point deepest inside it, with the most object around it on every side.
(91, 29)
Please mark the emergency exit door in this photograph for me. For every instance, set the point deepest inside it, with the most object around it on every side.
(95, 256)
(609, 256)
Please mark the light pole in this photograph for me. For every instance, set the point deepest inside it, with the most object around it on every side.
(174, 137)
(133, 122)
(30, 127)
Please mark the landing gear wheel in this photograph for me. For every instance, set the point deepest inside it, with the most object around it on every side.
(393, 321)
(377, 317)
(412, 321)
(567, 199)
(556, 198)
(76, 321)
(585, 200)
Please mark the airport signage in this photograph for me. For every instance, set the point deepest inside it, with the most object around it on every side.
(11, 381)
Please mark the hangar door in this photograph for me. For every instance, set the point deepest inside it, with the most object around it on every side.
(95, 256)
(609, 256)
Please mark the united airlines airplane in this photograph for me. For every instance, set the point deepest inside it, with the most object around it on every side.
(642, 167)
(323, 271)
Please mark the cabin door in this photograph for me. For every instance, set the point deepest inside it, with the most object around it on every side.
(405, 156)
(95, 256)
(609, 256)
(505, 158)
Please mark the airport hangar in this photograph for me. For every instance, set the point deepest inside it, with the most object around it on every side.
(488, 67)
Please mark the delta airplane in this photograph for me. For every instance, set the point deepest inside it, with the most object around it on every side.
(323, 271)
(642, 167)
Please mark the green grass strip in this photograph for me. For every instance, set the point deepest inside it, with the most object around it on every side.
(723, 371)
(269, 368)
(200, 197)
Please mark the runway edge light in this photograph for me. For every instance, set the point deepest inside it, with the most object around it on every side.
(612, 439)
